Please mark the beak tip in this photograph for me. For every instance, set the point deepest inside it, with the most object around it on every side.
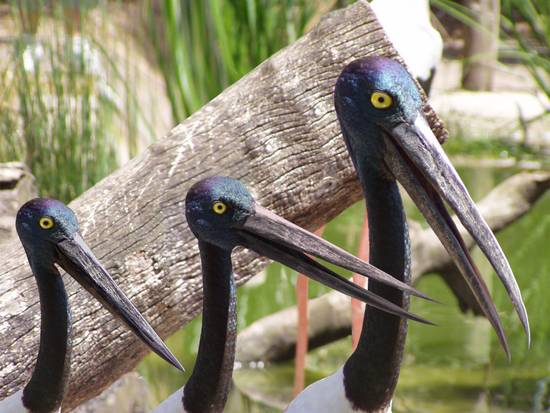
(419, 319)
(525, 322)
(504, 342)
(174, 362)
(523, 317)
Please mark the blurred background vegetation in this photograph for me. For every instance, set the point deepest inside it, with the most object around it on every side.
(85, 85)
(70, 108)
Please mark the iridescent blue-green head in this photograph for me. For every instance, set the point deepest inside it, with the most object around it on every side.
(379, 108)
(378, 90)
(221, 211)
(373, 95)
(215, 206)
(49, 232)
(41, 223)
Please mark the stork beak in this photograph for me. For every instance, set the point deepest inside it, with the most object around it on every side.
(79, 261)
(274, 237)
(418, 162)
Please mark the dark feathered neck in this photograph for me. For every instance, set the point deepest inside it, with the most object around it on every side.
(45, 391)
(371, 373)
(207, 389)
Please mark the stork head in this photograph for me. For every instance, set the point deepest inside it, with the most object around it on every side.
(42, 222)
(380, 112)
(222, 212)
(374, 95)
(49, 232)
(215, 206)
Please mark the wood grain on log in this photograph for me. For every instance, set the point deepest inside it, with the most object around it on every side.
(275, 129)
(273, 338)
(17, 186)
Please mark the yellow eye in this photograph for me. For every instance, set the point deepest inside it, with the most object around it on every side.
(219, 207)
(46, 222)
(381, 100)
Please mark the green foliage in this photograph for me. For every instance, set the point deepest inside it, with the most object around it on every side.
(204, 46)
(458, 11)
(58, 133)
(526, 23)
(533, 45)
(490, 148)
(56, 107)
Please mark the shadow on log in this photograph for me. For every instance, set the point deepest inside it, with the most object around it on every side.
(273, 338)
(275, 129)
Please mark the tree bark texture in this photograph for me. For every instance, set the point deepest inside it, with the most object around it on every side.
(273, 338)
(17, 186)
(275, 129)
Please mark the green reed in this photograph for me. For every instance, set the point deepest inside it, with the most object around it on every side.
(526, 24)
(56, 115)
(204, 46)
(532, 47)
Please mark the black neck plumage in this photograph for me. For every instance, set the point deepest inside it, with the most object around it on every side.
(208, 387)
(46, 388)
(371, 373)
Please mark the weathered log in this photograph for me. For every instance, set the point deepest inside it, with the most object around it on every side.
(17, 186)
(275, 129)
(273, 338)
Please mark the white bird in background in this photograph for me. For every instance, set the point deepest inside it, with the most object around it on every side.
(407, 25)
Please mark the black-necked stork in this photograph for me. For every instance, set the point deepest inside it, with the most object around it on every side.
(407, 25)
(49, 232)
(380, 112)
(222, 214)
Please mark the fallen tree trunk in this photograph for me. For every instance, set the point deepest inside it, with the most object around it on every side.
(273, 338)
(275, 129)
(16, 187)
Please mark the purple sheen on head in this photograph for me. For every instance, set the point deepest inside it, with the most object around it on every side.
(28, 217)
(374, 66)
(216, 188)
(212, 227)
(377, 73)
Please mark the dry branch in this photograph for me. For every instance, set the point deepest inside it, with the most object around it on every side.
(273, 338)
(275, 129)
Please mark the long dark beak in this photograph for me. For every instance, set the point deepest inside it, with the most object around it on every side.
(79, 261)
(274, 237)
(418, 162)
